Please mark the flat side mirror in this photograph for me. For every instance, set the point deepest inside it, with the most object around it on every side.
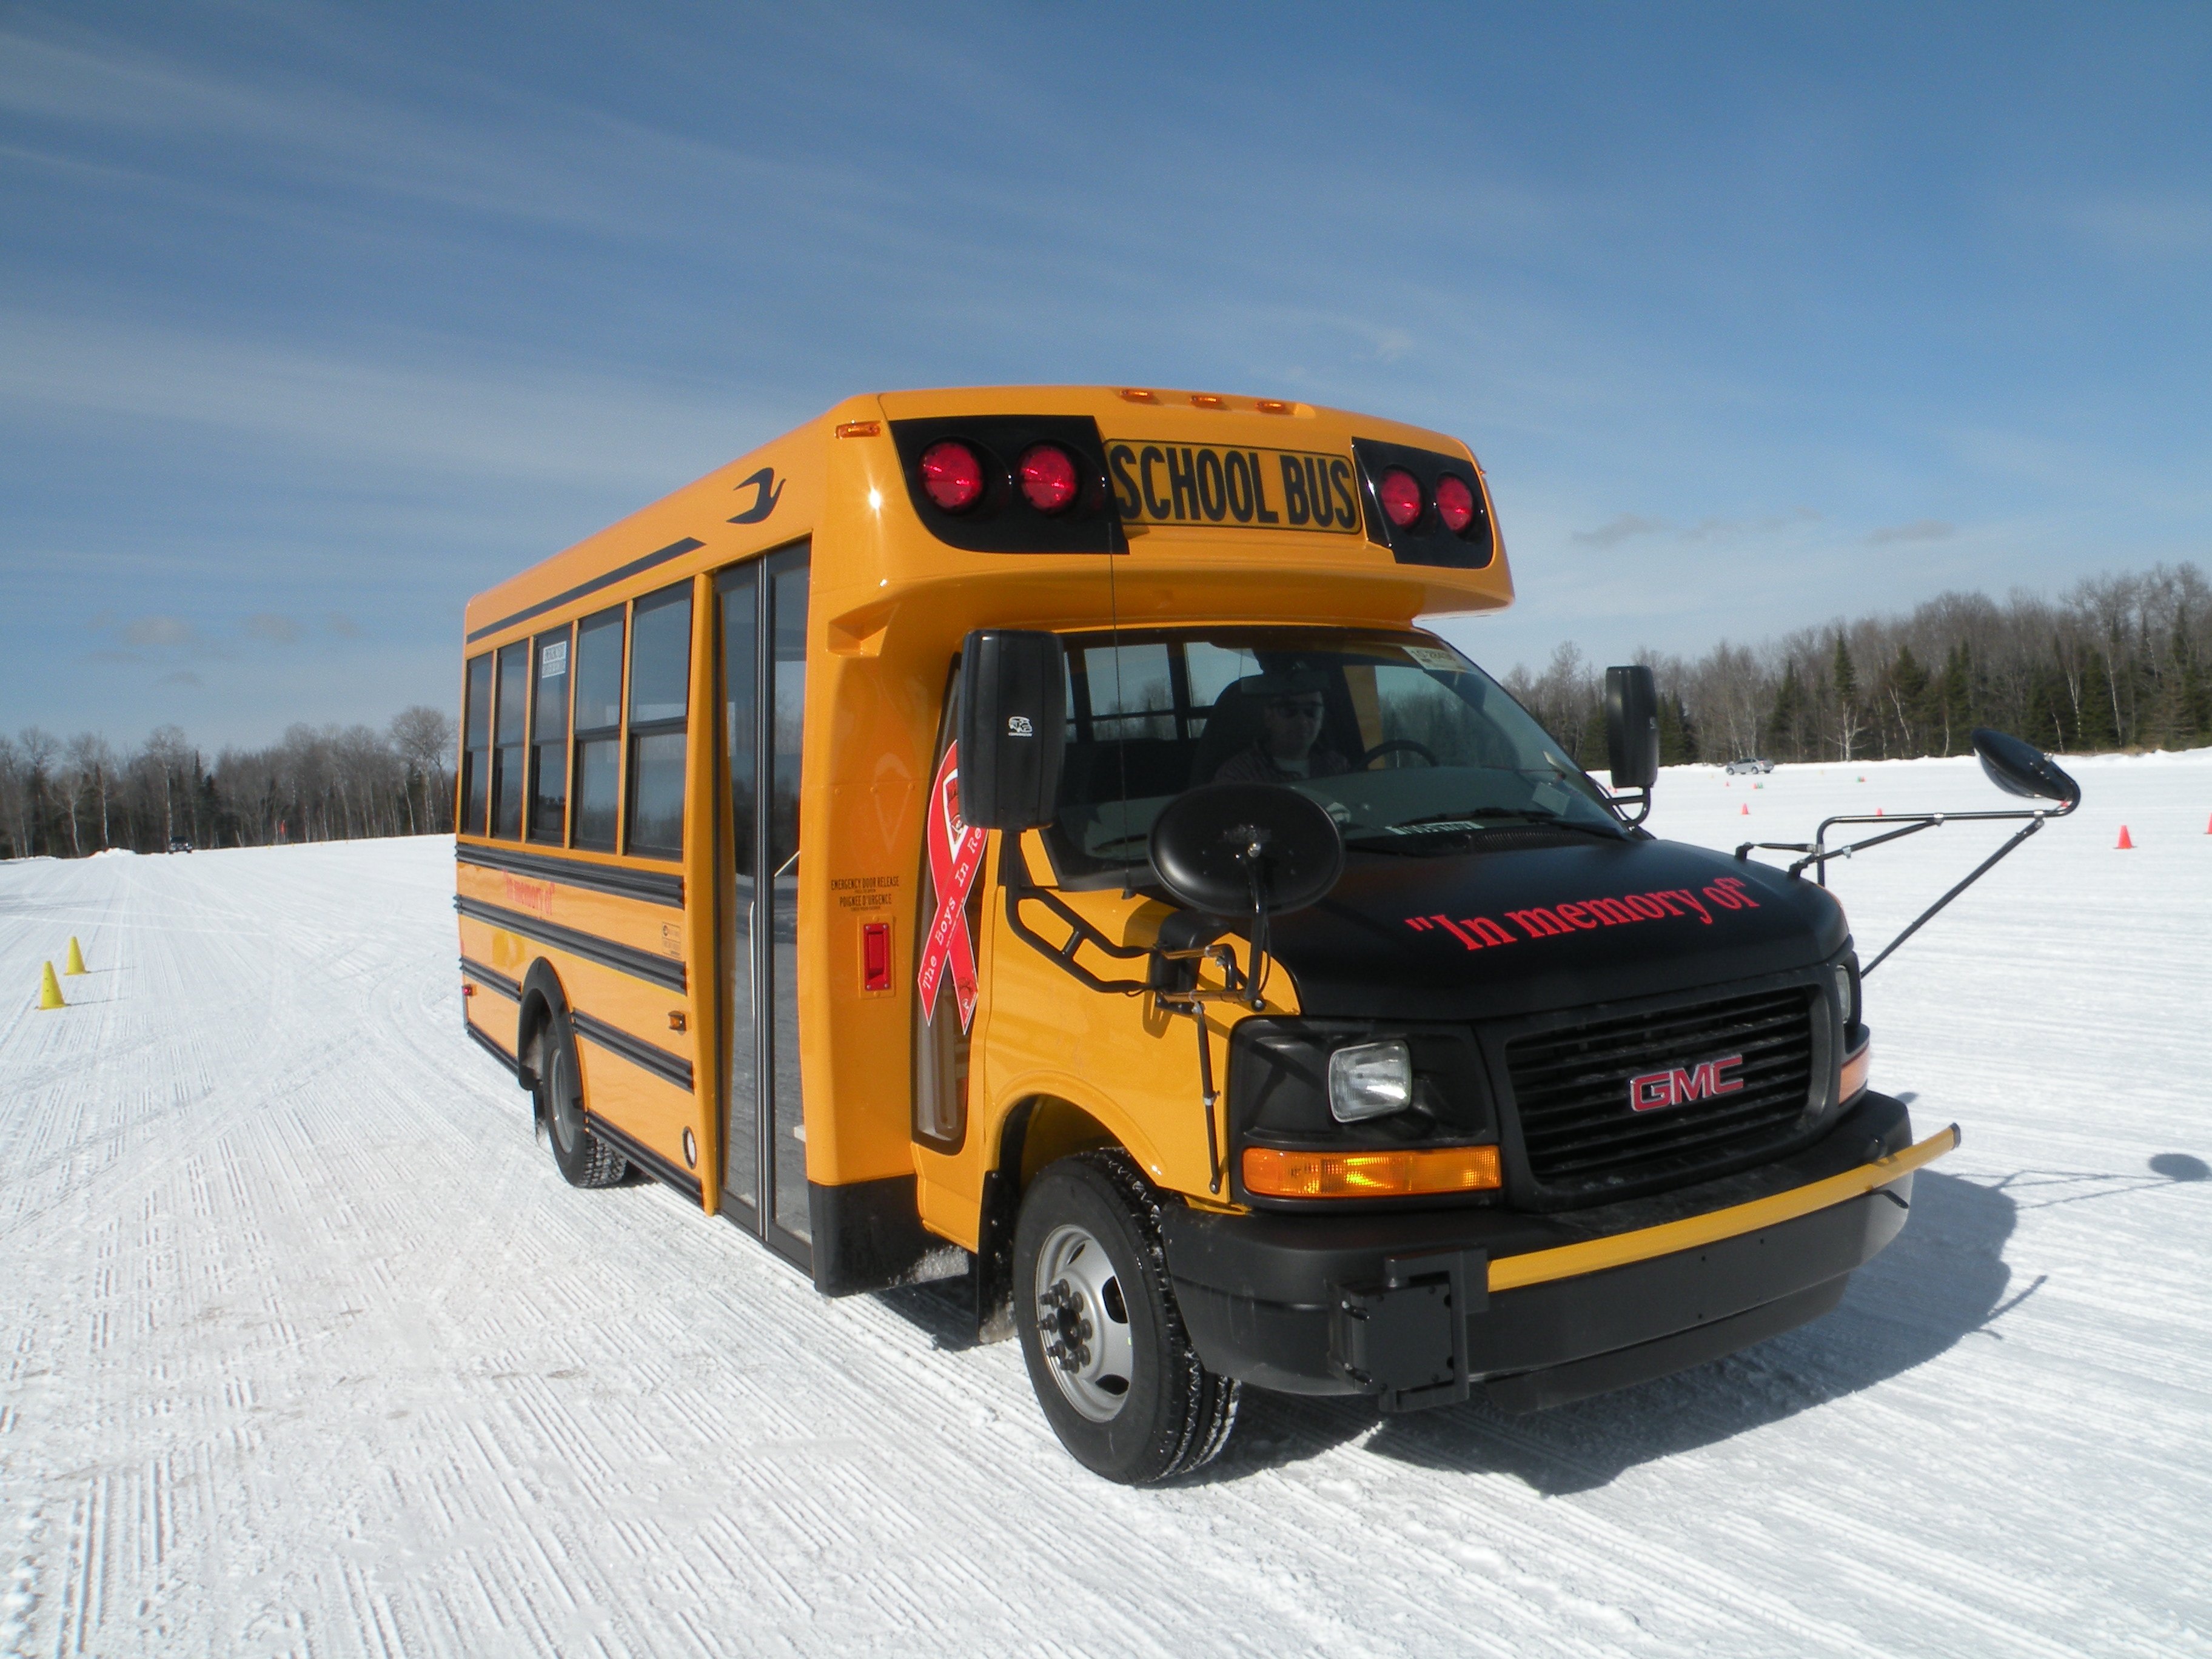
(1231, 848)
(1631, 727)
(2021, 769)
(1014, 723)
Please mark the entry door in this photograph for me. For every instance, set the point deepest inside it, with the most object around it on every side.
(764, 621)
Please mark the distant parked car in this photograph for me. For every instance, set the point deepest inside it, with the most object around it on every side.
(1737, 769)
(180, 843)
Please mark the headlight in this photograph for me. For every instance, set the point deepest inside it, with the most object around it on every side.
(1847, 979)
(1369, 1079)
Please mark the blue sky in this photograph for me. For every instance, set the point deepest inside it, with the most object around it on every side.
(314, 320)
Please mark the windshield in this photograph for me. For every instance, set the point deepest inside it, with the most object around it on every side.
(1401, 738)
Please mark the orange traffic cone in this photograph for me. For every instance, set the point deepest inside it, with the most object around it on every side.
(1747, 809)
(2207, 826)
(1877, 811)
(2125, 845)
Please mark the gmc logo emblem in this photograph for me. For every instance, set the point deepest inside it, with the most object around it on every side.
(1653, 1089)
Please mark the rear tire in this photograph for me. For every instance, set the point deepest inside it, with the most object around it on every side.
(582, 1157)
(1111, 1363)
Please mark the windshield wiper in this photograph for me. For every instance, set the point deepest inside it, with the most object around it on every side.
(1448, 822)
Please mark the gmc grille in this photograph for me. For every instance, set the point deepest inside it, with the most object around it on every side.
(1572, 1087)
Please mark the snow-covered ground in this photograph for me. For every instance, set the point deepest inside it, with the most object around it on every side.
(305, 1348)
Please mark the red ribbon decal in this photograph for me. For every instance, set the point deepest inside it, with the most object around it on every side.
(956, 853)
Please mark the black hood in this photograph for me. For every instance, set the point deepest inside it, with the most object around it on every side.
(1479, 935)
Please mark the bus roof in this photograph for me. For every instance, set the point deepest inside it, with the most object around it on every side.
(842, 480)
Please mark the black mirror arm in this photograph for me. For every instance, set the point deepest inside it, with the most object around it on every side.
(1639, 799)
(1818, 851)
(1014, 876)
(1980, 870)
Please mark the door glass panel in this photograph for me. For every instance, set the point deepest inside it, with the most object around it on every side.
(740, 593)
(786, 713)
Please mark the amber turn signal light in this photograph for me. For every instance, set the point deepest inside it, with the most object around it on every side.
(1270, 1172)
(1857, 1066)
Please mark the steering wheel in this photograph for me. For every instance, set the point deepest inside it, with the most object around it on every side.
(1397, 745)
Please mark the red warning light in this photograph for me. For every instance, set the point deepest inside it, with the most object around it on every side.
(952, 475)
(1400, 494)
(1455, 503)
(1046, 475)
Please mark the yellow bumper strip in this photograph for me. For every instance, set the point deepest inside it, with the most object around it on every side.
(1595, 1254)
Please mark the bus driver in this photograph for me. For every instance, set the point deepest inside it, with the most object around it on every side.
(1285, 750)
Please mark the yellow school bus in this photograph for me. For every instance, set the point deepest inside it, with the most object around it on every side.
(1024, 833)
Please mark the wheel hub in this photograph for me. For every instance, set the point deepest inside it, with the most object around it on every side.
(1083, 1323)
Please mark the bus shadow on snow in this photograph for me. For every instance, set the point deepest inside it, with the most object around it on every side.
(1943, 1280)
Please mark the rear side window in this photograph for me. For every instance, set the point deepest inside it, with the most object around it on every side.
(660, 699)
(599, 676)
(506, 769)
(475, 746)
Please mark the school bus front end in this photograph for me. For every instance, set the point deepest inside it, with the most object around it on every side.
(1095, 881)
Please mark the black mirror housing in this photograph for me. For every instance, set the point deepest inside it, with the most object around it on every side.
(1631, 727)
(1014, 727)
(2021, 769)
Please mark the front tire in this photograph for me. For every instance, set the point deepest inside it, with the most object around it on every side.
(1111, 1363)
(582, 1157)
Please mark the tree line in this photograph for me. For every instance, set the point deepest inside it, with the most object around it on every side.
(2117, 662)
(70, 799)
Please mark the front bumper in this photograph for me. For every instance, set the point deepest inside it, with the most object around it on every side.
(1418, 1308)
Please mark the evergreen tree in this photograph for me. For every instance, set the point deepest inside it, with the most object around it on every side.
(1849, 717)
(1910, 710)
(1784, 724)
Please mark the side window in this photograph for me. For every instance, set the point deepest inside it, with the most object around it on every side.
(599, 676)
(659, 698)
(549, 739)
(506, 757)
(475, 746)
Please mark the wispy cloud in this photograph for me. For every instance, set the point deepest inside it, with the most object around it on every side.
(160, 631)
(341, 624)
(2147, 227)
(1920, 529)
(277, 630)
(1619, 528)
(1626, 526)
(505, 419)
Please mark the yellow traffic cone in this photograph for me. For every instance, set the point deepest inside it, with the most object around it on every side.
(49, 989)
(75, 963)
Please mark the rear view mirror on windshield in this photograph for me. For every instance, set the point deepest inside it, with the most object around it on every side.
(1013, 720)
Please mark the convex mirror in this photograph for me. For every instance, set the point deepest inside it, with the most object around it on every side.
(1222, 846)
(2021, 769)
